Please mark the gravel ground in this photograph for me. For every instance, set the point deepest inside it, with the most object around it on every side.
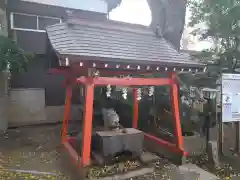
(39, 149)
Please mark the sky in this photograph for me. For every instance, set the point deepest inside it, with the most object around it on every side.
(138, 12)
(132, 11)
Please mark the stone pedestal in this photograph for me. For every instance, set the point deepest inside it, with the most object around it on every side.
(108, 144)
(213, 156)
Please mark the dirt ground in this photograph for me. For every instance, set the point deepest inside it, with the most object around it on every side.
(38, 149)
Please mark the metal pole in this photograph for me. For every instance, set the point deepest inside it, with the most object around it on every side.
(220, 137)
(237, 124)
(216, 107)
(220, 128)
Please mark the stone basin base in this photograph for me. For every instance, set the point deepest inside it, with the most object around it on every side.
(109, 144)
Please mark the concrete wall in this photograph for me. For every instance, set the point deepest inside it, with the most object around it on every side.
(3, 113)
(3, 101)
(55, 113)
(3, 20)
(27, 107)
(3, 76)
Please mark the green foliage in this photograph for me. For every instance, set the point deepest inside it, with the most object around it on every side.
(220, 21)
(11, 56)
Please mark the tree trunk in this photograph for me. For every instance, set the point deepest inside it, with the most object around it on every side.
(3, 102)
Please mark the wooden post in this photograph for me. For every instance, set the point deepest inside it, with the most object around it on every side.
(66, 114)
(175, 110)
(135, 109)
(87, 124)
(208, 123)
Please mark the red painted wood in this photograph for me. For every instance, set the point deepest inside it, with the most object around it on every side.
(135, 109)
(124, 81)
(66, 114)
(171, 147)
(77, 70)
(175, 110)
(87, 124)
(89, 83)
(72, 153)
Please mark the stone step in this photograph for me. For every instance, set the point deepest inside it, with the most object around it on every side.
(148, 157)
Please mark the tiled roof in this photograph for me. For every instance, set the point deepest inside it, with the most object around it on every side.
(115, 41)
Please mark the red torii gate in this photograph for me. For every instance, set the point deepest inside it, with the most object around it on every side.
(89, 84)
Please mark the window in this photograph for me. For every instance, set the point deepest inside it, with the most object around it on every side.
(43, 22)
(24, 22)
(29, 22)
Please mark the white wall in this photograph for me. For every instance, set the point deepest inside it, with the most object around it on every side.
(89, 5)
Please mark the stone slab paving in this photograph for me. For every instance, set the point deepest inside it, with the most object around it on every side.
(175, 174)
(185, 169)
